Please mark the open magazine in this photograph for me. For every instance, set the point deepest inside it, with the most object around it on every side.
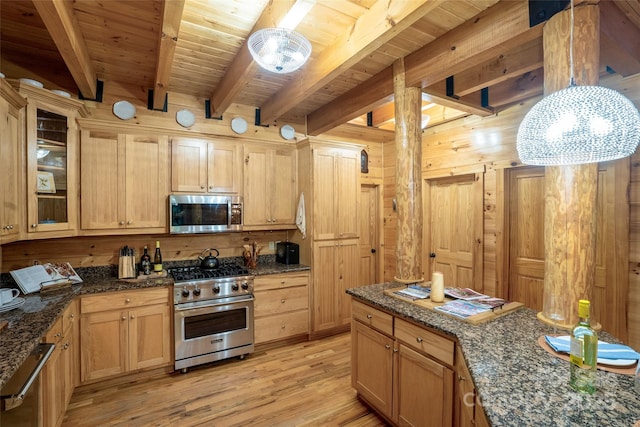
(466, 294)
(34, 278)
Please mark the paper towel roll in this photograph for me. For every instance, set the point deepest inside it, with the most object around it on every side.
(437, 287)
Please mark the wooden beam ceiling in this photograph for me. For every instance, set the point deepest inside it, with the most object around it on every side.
(495, 31)
(171, 18)
(383, 21)
(64, 29)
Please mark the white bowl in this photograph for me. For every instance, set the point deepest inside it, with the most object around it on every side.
(32, 82)
(185, 118)
(124, 110)
(287, 132)
(239, 125)
(61, 93)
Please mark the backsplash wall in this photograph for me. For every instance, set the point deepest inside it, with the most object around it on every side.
(103, 250)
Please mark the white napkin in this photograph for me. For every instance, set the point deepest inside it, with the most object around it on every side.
(301, 221)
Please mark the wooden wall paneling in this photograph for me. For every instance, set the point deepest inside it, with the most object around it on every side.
(389, 214)
(633, 301)
(489, 243)
(102, 251)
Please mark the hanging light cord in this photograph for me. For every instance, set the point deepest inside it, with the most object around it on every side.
(572, 81)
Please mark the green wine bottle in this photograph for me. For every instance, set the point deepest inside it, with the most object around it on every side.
(584, 352)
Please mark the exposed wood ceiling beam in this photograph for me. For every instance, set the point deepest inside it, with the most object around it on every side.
(620, 40)
(171, 18)
(469, 104)
(383, 21)
(501, 27)
(63, 27)
(242, 68)
(517, 88)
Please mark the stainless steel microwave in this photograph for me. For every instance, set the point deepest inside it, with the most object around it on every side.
(199, 213)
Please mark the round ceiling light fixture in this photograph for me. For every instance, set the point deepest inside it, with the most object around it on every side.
(279, 50)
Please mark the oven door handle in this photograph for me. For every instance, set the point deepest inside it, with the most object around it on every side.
(11, 402)
(180, 307)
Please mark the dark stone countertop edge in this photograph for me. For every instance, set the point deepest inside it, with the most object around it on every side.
(517, 381)
(29, 323)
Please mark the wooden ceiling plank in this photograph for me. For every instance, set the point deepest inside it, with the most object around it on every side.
(501, 68)
(242, 68)
(374, 28)
(501, 27)
(171, 18)
(621, 39)
(64, 29)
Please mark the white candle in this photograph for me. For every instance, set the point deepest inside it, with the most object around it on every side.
(437, 287)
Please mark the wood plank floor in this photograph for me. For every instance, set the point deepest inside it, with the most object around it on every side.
(301, 384)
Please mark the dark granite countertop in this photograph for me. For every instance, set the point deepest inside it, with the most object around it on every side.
(30, 322)
(519, 383)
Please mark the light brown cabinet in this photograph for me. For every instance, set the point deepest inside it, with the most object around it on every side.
(396, 368)
(206, 166)
(467, 410)
(281, 306)
(270, 187)
(59, 376)
(124, 331)
(124, 182)
(51, 141)
(336, 269)
(11, 194)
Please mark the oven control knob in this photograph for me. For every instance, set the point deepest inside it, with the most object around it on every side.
(185, 292)
(234, 287)
(196, 292)
(216, 289)
(245, 285)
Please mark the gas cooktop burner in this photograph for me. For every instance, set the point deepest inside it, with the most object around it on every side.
(183, 274)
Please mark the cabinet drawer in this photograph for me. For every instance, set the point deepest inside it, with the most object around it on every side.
(278, 281)
(370, 316)
(425, 341)
(70, 315)
(281, 326)
(281, 300)
(126, 299)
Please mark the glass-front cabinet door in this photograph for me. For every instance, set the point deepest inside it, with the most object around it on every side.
(52, 163)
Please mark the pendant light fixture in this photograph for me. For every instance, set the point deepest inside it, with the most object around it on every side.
(279, 50)
(578, 124)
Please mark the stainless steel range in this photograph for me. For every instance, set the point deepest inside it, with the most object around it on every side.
(213, 314)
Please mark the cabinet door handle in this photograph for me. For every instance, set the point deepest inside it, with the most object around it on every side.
(283, 326)
(66, 346)
(58, 335)
(34, 225)
(133, 316)
(395, 350)
(128, 300)
(387, 346)
(419, 339)
(211, 187)
(121, 222)
(202, 187)
(124, 317)
(282, 300)
(129, 222)
(461, 378)
(369, 316)
(282, 282)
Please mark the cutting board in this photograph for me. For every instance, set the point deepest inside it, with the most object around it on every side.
(474, 320)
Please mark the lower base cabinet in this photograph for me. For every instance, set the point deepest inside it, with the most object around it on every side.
(400, 369)
(467, 409)
(124, 331)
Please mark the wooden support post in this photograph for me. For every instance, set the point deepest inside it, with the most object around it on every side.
(570, 191)
(408, 141)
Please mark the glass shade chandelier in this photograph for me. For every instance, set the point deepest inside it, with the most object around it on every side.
(578, 124)
(279, 50)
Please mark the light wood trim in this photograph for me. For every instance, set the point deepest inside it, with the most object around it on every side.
(379, 24)
(63, 27)
(123, 300)
(425, 341)
(372, 317)
(171, 18)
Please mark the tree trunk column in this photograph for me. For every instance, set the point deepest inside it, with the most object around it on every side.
(570, 191)
(408, 142)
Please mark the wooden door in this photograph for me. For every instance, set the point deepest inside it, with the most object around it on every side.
(348, 189)
(149, 336)
(453, 231)
(325, 186)
(189, 165)
(325, 310)
(225, 167)
(104, 350)
(284, 188)
(103, 181)
(257, 181)
(425, 390)
(526, 236)
(348, 257)
(369, 235)
(53, 388)
(372, 367)
(146, 188)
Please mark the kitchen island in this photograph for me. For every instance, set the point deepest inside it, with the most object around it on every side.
(517, 382)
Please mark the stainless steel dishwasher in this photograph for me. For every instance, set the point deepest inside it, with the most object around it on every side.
(20, 396)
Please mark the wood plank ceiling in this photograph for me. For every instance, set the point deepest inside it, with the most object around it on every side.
(197, 48)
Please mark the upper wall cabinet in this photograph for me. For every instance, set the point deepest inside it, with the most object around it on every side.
(51, 136)
(270, 187)
(11, 194)
(206, 166)
(125, 182)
